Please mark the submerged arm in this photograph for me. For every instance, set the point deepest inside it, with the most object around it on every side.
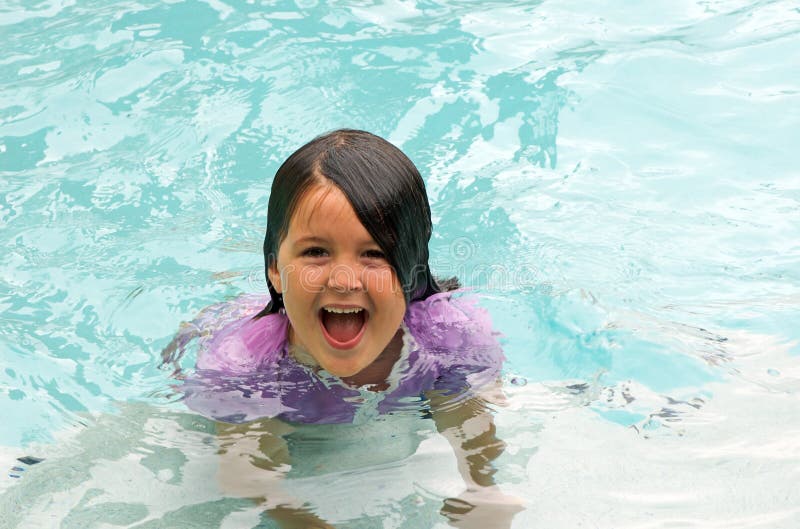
(468, 424)
(254, 459)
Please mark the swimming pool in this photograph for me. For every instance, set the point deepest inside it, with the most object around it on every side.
(617, 181)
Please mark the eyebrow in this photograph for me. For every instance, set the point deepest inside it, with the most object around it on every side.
(313, 239)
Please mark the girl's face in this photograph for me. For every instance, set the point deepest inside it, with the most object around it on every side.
(343, 299)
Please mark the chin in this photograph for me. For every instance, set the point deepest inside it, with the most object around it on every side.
(346, 374)
(346, 369)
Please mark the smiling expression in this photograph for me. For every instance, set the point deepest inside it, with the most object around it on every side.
(342, 297)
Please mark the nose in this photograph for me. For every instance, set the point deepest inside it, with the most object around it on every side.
(345, 278)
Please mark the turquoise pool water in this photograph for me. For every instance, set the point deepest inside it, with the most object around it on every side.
(619, 181)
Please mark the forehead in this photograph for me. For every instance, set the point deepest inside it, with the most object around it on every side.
(323, 208)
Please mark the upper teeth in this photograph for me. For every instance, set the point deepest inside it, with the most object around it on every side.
(343, 311)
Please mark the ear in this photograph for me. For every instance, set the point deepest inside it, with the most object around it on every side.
(275, 277)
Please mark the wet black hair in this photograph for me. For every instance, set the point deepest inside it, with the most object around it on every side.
(385, 190)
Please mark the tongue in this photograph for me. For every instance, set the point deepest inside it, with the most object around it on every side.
(343, 327)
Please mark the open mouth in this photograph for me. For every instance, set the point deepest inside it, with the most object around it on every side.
(343, 327)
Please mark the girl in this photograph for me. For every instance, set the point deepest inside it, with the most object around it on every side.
(356, 327)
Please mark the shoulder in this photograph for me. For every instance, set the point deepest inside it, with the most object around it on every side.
(232, 341)
(451, 320)
(455, 334)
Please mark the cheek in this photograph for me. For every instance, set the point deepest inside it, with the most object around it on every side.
(300, 281)
(387, 291)
(309, 279)
(382, 281)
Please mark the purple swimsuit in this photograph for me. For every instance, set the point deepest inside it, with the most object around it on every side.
(245, 370)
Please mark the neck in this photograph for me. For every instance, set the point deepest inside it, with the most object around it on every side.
(374, 375)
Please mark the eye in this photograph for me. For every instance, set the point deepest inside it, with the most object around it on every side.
(314, 252)
(375, 254)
